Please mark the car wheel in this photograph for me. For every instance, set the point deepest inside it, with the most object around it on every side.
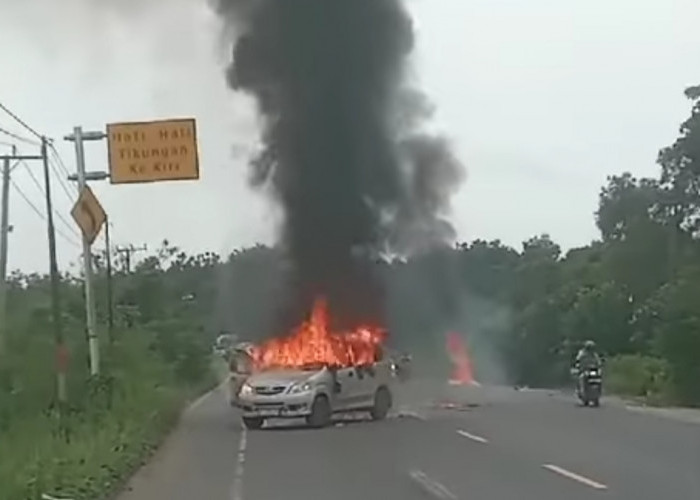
(253, 423)
(382, 404)
(320, 412)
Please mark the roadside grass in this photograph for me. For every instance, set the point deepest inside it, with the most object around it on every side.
(643, 379)
(111, 426)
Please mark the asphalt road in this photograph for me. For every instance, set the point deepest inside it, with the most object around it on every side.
(491, 444)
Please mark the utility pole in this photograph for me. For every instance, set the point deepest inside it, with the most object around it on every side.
(110, 305)
(4, 231)
(61, 350)
(127, 252)
(78, 137)
(53, 266)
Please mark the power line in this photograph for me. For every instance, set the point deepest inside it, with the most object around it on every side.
(72, 195)
(59, 161)
(18, 137)
(20, 121)
(41, 189)
(29, 202)
(41, 214)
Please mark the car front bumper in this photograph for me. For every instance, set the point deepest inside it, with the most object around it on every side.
(287, 406)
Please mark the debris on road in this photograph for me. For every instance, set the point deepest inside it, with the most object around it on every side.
(456, 406)
(404, 413)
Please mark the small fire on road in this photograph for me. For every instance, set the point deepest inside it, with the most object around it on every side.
(463, 373)
(313, 344)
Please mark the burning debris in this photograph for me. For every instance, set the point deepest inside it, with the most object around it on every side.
(462, 372)
(314, 344)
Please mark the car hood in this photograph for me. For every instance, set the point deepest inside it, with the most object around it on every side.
(280, 377)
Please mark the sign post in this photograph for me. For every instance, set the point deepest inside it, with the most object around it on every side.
(90, 217)
(164, 150)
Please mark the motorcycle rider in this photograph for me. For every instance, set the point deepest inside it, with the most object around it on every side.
(586, 358)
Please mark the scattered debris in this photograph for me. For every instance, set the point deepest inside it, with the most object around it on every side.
(403, 413)
(451, 405)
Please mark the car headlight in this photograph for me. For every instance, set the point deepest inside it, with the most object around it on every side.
(300, 388)
(246, 390)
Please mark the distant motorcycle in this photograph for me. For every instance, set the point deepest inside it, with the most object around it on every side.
(589, 388)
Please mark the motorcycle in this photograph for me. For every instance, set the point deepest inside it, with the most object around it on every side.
(589, 388)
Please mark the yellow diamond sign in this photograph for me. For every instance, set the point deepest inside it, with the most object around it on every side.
(89, 214)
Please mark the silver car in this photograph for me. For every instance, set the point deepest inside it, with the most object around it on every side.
(315, 393)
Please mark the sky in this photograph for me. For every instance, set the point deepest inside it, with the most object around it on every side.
(541, 99)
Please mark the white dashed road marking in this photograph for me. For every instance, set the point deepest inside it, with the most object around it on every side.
(575, 477)
(473, 437)
(430, 486)
(237, 490)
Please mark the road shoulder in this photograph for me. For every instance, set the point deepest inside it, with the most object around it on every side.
(687, 415)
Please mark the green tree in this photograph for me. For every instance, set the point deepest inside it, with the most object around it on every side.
(675, 321)
(680, 171)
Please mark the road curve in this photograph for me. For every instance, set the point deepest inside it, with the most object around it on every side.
(489, 443)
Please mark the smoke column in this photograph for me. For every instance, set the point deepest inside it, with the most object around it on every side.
(342, 151)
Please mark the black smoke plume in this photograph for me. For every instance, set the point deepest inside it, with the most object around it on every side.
(342, 152)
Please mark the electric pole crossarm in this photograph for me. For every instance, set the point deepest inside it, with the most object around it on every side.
(20, 157)
(127, 252)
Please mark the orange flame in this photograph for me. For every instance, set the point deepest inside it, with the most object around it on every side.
(459, 355)
(312, 343)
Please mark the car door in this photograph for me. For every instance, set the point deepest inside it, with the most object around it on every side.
(364, 386)
(347, 388)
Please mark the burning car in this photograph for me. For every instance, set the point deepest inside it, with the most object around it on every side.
(315, 393)
(315, 373)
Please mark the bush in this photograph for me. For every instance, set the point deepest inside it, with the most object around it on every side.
(679, 342)
(112, 423)
(638, 376)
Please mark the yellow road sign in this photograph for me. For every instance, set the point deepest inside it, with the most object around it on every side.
(89, 214)
(164, 150)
